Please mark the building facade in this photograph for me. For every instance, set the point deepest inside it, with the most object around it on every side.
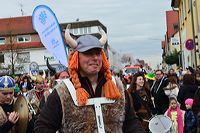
(189, 30)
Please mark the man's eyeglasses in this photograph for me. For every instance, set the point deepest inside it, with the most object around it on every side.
(158, 74)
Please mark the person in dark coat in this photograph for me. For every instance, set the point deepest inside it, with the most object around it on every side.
(196, 107)
(25, 84)
(9, 117)
(160, 99)
(187, 90)
(197, 78)
(190, 119)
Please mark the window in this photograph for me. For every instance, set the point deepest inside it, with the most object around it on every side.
(85, 30)
(189, 5)
(81, 31)
(23, 57)
(1, 58)
(175, 26)
(185, 9)
(2, 40)
(75, 31)
(182, 13)
(24, 38)
(89, 30)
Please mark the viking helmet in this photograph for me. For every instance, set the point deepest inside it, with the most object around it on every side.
(7, 83)
(38, 78)
(85, 42)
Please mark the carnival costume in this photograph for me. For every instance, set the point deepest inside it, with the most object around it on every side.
(161, 100)
(64, 105)
(35, 95)
(176, 115)
(7, 84)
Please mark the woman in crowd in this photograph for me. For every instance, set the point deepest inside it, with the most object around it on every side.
(172, 89)
(25, 84)
(141, 98)
(187, 90)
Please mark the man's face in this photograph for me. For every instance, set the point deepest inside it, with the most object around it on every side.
(171, 71)
(158, 75)
(8, 96)
(63, 75)
(90, 62)
(39, 86)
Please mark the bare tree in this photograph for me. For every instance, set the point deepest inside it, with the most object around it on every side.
(12, 48)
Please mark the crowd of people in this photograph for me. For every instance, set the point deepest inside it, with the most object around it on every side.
(88, 98)
(172, 95)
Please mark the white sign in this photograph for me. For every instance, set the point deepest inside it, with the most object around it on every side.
(175, 41)
(46, 24)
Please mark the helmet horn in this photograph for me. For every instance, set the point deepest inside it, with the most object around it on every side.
(44, 74)
(70, 41)
(103, 38)
(32, 77)
(52, 69)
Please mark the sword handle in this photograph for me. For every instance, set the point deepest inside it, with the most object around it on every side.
(99, 118)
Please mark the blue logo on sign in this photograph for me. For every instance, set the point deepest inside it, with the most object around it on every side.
(54, 43)
(43, 17)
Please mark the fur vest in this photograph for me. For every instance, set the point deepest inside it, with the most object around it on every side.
(83, 119)
(3, 117)
(141, 104)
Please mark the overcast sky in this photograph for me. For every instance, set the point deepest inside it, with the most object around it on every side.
(134, 26)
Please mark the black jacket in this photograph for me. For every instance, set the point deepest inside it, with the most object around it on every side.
(185, 92)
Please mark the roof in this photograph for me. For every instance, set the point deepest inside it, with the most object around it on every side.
(16, 26)
(171, 22)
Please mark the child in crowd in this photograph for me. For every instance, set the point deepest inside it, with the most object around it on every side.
(190, 119)
(176, 116)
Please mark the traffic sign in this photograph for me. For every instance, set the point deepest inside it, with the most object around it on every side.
(189, 44)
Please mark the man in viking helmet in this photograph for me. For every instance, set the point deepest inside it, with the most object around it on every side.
(8, 117)
(35, 95)
(91, 79)
(39, 82)
(13, 110)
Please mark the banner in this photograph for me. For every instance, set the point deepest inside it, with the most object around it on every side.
(46, 24)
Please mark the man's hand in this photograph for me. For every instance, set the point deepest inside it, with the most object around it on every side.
(13, 117)
(30, 116)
